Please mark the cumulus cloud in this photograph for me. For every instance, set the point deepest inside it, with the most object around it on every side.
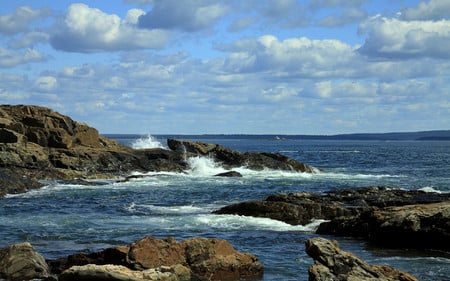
(395, 38)
(19, 20)
(432, 10)
(11, 59)
(293, 56)
(86, 29)
(185, 16)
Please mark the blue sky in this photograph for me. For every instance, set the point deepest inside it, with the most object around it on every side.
(231, 66)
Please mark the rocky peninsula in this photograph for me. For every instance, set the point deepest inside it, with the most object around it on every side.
(38, 143)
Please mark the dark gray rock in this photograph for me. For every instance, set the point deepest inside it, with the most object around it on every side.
(386, 216)
(229, 174)
(233, 159)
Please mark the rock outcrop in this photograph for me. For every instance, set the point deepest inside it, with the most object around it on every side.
(197, 258)
(420, 226)
(20, 262)
(332, 263)
(233, 159)
(38, 143)
(386, 216)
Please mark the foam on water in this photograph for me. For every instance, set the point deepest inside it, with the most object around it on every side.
(431, 190)
(147, 142)
(236, 222)
(165, 210)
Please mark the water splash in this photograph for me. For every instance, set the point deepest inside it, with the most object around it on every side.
(147, 142)
(204, 166)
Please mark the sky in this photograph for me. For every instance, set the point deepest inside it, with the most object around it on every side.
(231, 66)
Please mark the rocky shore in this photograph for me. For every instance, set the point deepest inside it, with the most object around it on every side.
(38, 143)
(196, 259)
(146, 259)
(384, 216)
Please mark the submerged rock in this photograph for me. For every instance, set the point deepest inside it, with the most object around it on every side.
(229, 174)
(332, 263)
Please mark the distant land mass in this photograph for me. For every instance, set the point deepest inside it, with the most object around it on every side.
(436, 135)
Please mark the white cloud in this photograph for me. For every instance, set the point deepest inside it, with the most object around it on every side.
(347, 16)
(86, 29)
(432, 10)
(394, 38)
(19, 20)
(293, 57)
(29, 39)
(279, 93)
(186, 16)
(45, 83)
(11, 59)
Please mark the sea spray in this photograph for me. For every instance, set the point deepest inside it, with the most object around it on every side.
(204, 166)
(147, 142)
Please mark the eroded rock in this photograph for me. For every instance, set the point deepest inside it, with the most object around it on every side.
(21, 262)
(207, 258)
(332, 263)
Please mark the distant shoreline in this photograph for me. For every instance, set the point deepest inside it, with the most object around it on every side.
(437, 135)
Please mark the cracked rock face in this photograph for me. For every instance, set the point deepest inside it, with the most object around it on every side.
(22, 262)
(332, 263)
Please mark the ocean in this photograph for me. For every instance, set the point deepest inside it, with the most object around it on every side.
(62, 219)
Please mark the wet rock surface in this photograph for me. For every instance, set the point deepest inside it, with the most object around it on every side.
(232, 159)
(37, 143)
(386, 216)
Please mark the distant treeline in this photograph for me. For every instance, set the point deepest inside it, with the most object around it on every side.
(441, 135)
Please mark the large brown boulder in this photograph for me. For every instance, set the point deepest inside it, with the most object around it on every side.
(332, 263)
(20, 262)
(233, 159)
(206, 258)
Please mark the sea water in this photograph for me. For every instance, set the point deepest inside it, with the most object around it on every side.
(62, 219)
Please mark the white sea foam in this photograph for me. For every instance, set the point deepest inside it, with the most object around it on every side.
(147, 142)
(431, 189)
(237, 222)
(166, 210)
(203, 166)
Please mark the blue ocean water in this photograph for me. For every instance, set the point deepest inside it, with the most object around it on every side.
(62, 219)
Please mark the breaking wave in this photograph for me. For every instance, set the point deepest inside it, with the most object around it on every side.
(148, 141)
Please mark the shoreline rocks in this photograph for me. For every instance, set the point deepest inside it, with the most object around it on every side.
(332, 263)
(384, 216)
(191, 259)
(198, 259)
(37, 143)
